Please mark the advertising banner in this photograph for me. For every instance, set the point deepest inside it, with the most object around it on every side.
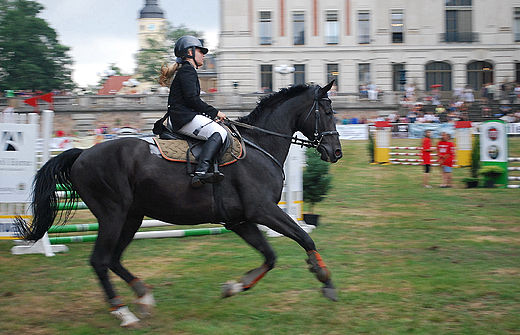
(352, 131)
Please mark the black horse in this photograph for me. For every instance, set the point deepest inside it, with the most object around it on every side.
(121, 182)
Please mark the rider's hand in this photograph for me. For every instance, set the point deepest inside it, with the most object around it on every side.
(221, 116)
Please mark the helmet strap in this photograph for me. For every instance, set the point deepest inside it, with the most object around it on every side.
(193, 49)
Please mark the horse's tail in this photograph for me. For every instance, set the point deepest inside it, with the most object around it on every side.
(44, 198)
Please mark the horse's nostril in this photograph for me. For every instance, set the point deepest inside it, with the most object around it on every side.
(338, 153)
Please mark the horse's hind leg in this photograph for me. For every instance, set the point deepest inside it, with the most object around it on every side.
(145, 300)
(254, 237)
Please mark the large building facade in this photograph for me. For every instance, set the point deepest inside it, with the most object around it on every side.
(452, 43)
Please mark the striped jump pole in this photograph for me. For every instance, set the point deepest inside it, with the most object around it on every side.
(408, 161)
(138, 235)
(72, 228)
(513, 169)
(63, 206)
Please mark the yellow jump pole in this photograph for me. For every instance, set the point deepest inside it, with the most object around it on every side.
(463, 143)
(382, 142)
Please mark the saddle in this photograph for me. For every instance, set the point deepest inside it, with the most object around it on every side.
(177, 147)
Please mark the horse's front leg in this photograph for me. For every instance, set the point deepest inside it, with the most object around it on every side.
(279, 221)
(250, 233)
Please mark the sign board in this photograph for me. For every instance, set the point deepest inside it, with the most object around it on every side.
(17, 161)
(493, 146)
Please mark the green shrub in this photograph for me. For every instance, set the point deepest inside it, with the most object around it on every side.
(316, 178)
(491, 170)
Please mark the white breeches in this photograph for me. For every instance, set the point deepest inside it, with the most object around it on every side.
(202, 128)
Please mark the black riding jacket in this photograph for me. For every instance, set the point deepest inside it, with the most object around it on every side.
(184, 100)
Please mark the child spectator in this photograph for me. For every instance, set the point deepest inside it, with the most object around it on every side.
(426, 156)
(446, 152)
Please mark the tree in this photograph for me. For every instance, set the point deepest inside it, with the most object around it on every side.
(113, 70)
(176, 32)
(316, 179)
(150, 59)
(31, 58)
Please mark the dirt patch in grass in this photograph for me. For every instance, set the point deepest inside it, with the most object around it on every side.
(288, 301)
(499, 239)
(505, 272)
(475, 228)
(155, 269)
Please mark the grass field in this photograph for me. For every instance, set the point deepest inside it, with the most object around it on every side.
(406, 260)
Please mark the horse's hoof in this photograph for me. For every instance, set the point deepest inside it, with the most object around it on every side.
(230, 288)
(145, 311)
(145, 304)
(330, 292)
(135, 325)
(128, 319)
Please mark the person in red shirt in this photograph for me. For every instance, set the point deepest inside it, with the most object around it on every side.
(426, 157)
(446, 153)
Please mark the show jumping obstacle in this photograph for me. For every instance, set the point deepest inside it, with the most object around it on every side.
(384, 155)
(409, 161)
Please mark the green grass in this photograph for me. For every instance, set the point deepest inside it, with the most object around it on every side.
(405, 260)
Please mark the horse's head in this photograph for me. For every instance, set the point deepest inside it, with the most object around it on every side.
(319, 125)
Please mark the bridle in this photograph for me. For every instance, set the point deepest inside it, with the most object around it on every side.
(316, 107)
(318, 137)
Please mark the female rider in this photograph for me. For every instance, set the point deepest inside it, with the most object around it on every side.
(188, 114)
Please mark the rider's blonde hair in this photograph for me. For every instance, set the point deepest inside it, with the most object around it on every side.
(167, 73)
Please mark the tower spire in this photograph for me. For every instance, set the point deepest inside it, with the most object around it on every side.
(151, 10)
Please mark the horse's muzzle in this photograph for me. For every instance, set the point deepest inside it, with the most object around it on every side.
(332, 155)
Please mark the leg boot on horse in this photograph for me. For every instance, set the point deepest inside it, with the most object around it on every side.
(210, 150)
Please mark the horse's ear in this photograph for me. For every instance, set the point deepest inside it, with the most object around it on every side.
(327, 88)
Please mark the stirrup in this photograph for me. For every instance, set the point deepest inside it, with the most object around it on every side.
(207, 178)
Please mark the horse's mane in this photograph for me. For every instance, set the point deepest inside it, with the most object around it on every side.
(273, 99)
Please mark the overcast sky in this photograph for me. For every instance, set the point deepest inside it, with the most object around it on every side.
(101, 32)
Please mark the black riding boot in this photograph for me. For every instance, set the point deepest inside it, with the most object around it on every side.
(211, 149)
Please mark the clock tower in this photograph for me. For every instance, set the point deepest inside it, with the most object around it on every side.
(152, 24)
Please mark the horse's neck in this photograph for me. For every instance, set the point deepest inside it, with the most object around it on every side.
(277, 121)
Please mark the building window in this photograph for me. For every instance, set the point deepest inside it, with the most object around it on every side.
(266, 78)
(479, 73)
(299, 74)
(458, 22)
(517, 72)
(332, 27)
(363, 76)
(438, 73)
(517, 24)
(397, 75)
(397, 27)
(333, 73)
(363, 28)
(265, 28)
(299, 28)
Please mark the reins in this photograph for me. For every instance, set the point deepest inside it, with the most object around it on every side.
(294, 139)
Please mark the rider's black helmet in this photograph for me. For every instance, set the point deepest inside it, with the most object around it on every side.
(184, 43)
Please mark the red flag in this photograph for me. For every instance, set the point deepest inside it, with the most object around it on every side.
(32, 101)
(47, 97)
